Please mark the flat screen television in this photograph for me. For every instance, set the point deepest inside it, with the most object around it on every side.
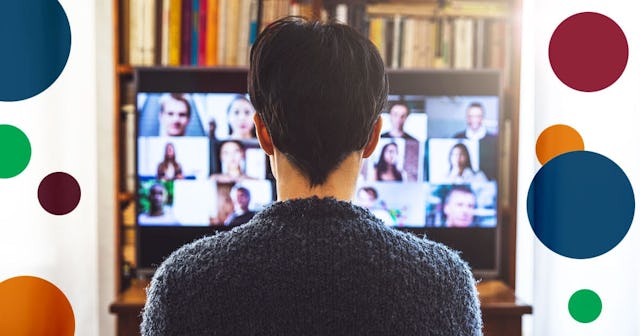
(435, 171)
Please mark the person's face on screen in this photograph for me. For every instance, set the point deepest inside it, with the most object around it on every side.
(458, 158)
(174, 117)
(398, 115)
(156, 197)
(241, 119)
(366, 198)
(169, 152)
(475, 116)
(459, 208)
(241, 200)
(391, 154)
(231, 156)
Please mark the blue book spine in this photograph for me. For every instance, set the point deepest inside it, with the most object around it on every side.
(195, 27)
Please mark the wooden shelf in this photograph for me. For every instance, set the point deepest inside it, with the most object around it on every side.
(501, 309)
(124, 197)
(124, 69)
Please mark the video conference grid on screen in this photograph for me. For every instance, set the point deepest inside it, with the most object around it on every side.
(199, 162)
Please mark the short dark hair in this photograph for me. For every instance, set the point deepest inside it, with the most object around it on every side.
(319, 88)
(476, 104)
(463, 188)
(237, 188)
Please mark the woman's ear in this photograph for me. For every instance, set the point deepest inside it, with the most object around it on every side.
(263, 135)
(373, 139)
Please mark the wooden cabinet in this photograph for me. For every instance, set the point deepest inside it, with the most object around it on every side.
(501, 310)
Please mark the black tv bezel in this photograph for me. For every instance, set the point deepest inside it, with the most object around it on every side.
(152, 242)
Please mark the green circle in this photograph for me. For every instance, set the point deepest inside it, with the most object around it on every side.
(15, 151)
(585, 306)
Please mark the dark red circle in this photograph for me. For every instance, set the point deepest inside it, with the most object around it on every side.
(59, 193)
(588, 51)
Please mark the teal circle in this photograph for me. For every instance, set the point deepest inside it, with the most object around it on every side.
(15, 151)
(36, 41)
(585, 306)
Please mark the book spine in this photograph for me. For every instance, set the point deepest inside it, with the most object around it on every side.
(202, 33)
(175, 14)
(233, 14)
(135, 32)
(164, 28)
(243, 33)
(185, 44)
(125, 31)
(446, 43)
(478, 45)
(212, 33)
(149, 32)
(222, 31)
(342, 13)
(408, 39)
(254, 10)
(397, 26)
(377, 35)
(195, 33)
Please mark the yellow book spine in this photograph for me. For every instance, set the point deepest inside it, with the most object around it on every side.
(175, 14)
(212, 34)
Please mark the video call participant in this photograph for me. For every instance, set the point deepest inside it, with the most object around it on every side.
(175, 114)
(158, 213)
(232, 159)
(240, 115)
(488, 143)
(459, 207)
(398, 114)
(310, 264)
(385, 168)
(367, 197)
(169, 169)
(241, 197)
(460, 170)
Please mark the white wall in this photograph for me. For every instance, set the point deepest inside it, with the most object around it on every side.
(608, 123)
(105, 148)
(69, 126)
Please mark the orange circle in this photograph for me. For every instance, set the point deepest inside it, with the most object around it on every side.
(556, 140)
(35, 307)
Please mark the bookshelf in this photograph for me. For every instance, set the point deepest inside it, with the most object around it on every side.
(146, 34)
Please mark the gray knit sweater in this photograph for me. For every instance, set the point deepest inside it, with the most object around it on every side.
(312, 267)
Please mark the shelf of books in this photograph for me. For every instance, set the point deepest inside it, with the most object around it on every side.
(460, 35)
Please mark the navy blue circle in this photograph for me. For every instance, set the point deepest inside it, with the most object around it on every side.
(36, 40)
(580, 204)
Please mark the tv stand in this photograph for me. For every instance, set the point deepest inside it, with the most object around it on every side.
(501, 310)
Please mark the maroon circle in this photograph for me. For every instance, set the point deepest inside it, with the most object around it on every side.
(588, 51)
(59, 193)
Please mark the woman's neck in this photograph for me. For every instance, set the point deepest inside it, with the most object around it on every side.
(292, 184)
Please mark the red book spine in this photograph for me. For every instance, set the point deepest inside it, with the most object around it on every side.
(202, 33)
